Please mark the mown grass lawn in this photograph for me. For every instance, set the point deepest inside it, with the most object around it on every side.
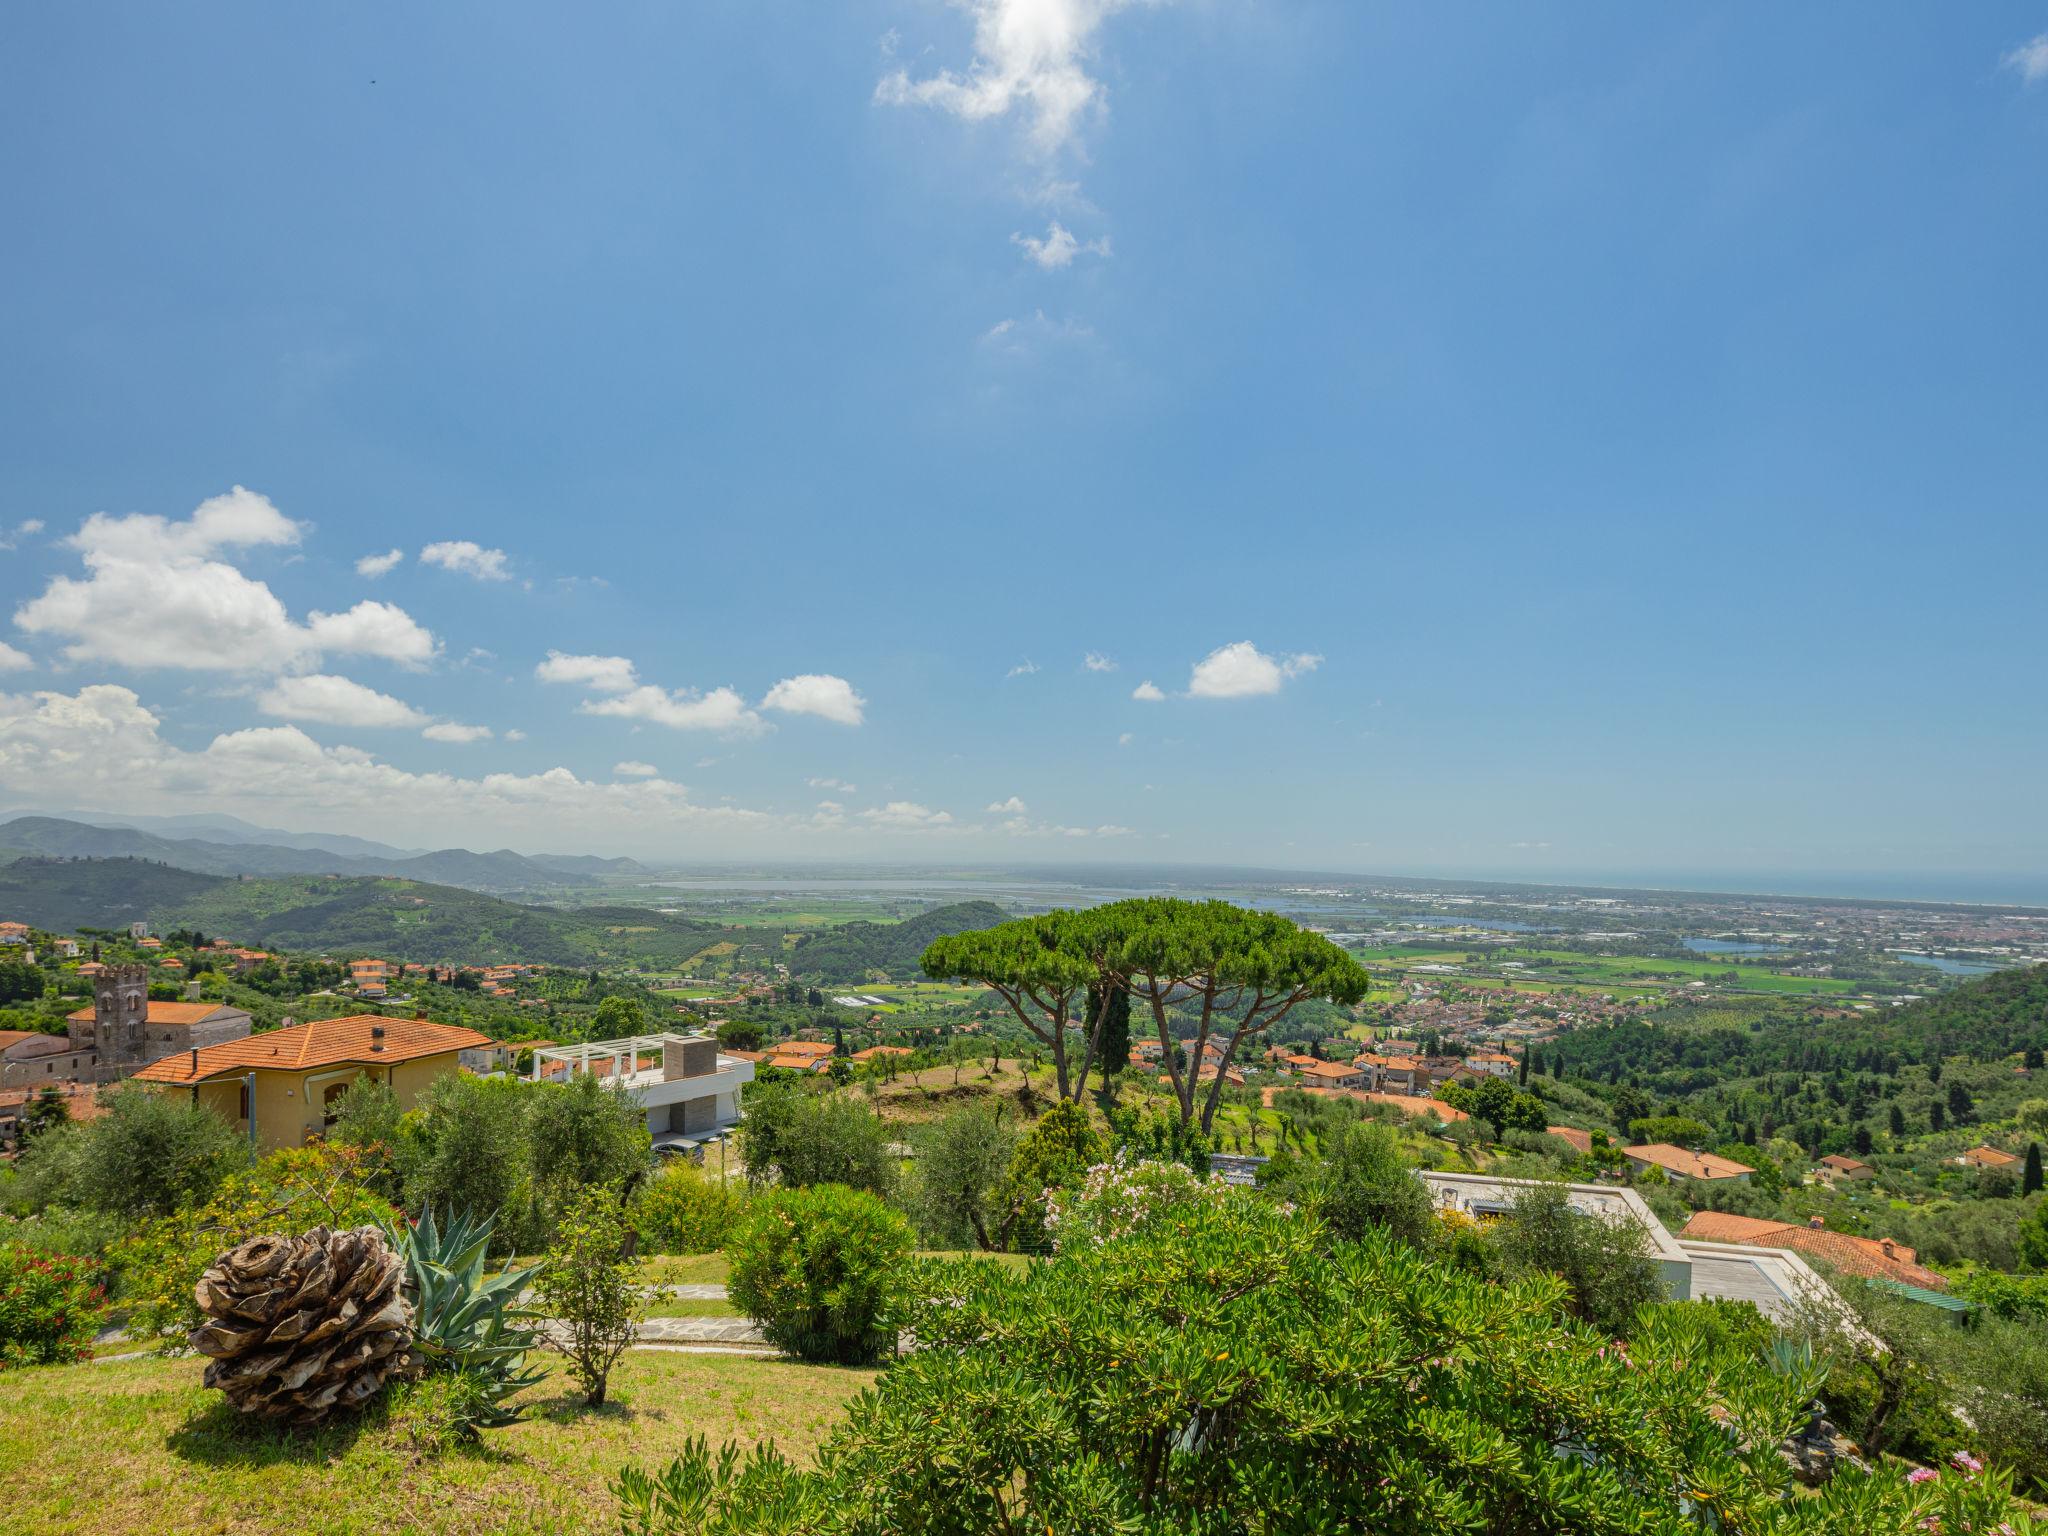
(139, 1446)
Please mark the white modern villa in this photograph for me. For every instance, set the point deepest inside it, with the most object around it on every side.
(691, 1092)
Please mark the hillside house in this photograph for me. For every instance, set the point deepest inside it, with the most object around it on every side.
(13, 933)
(1333, 1074)
(1985, 1158)
(1837, 1169)
(280, 1087)
(1678, 1163)
(1492, 1063)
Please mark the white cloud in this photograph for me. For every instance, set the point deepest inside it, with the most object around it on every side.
(328, 700)
(1095, 661)
(1112, 830)
(907, 816)
(1148, 692)
(1058, 248)
(633, 770)
(606, 674)
(101, 747)
(839, 785)
(374, 566)
(515, 735)
(627, 698)
(12, 660)
(2030, 59)
(1242, 670)
(685, 709)
(1027, 666)
(153, 596)
(449, 730)
(27, 528)
(1010, 807)
(1028, 54)
(1126, 739)
(817, 693)
(1034, 336)
(468, 559)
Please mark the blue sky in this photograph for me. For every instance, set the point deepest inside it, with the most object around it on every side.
(1577, 440)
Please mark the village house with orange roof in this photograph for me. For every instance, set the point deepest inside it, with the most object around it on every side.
(280, 1087)
(1678, 1163)
(1873, 1258)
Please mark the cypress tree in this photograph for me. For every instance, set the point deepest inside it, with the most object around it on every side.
(2030, 1180)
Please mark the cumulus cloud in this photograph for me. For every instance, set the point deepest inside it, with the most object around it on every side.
(839, 786)
(324, 699)
(467, 558)
(1148, 692)
(155, 595)
(1241, 670)
(684, 709)
(1095, 661)
(1031, 55)
(374, 566)
(101, 746)
(606, 674)
(27, 528)
(2030, 59)
(1023, 668)
(1010, 807)
(1057, 250)
(450, 730)
(817, 693)
(634, 770)
(906, 816)
(515, 735)
(12, 660)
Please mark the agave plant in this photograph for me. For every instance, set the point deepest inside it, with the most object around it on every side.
(462, 1320)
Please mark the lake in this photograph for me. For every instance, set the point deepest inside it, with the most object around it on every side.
(1950, 967)
(1730, 947)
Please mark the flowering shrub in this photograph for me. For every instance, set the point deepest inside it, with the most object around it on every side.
(50, 1306)
(821, 1270)
(325, 1184)
(1118, 1198)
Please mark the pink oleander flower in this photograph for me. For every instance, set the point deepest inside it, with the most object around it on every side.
(1967, 1462)
(1922, 1475)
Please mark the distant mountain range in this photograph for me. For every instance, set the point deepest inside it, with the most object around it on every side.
(232, 847)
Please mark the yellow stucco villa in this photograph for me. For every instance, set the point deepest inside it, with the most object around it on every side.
(290, 1078)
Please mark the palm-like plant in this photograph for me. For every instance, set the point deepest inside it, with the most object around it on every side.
(463, 1320)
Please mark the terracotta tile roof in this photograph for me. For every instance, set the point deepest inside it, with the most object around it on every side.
(1691, 1165)
(1330, 1069)
(1582, 1141)
(797, 1063)
(804, 1048)
(881, 1050)
(1871, 1257)
(15, 1036)
(1841, 1164)
(316, 1043)
(166, 1013)
(1989, 1157)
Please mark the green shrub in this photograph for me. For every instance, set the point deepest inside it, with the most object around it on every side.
(148, 1155)
(51, 1305)
(821, 1270)
(682, 1209)
(1121, 1199)
(1231, 1370)
(800, 1136)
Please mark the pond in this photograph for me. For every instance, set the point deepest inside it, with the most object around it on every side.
(1730, 947)
(1950, 967)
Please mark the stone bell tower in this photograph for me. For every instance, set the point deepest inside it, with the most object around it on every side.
(120, 1016)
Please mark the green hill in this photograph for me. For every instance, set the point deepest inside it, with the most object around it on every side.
(850, 952)
(412, 920)
(65, 894)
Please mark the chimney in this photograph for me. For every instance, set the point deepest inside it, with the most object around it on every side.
(1816, 1224)
(376, 1031)
(195, 1061)
(1886, 1244)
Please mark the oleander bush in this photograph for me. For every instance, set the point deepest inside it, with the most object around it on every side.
(821, 1269)
(51, 1305)
(681, 1209)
